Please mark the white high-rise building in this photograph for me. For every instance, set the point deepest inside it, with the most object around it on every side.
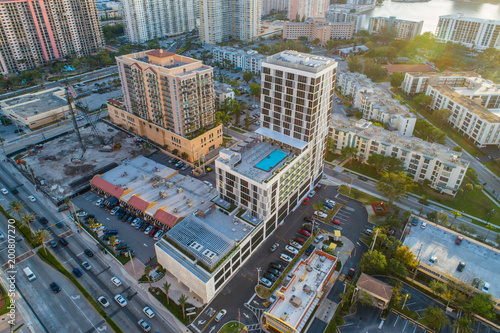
(304, 9)
(149, 19)
(335, 14)
(222, 20)
(404, 29)
(471, 32)
(277, 5)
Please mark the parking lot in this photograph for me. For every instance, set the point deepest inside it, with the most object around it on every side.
(142, 244)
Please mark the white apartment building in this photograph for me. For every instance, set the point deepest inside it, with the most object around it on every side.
(404, 29)
(337, 14)
(469, 31)
(470, 84)
(221, 20)
(304, 9)
(259, 181)
(222, 92)
(468, 116)
(376, 104)
(423, 160)
(149, 19)
(248, 61)
(273, 5)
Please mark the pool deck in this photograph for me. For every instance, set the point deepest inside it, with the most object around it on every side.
(271, 160)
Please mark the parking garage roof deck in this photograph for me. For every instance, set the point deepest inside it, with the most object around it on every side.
(302, 61)
(303, 290)
(30, 104)
(481, 261)
(149, 186)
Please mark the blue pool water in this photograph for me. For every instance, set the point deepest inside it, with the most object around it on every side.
(271, 160)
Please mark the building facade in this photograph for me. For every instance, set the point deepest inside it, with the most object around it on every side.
(221, 20)
(423, 160)
(149, 19)
(375, 103)
(33, 32)
(469, 31)
(404, 29)
(345, 15)
(247, 61)
(166, 97)
(304, 9)
(324, 31)
(222, 91)
(272, 6)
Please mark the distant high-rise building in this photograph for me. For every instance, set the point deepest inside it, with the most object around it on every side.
(168, 98)
(404, 29)
(149, 19)
(33, 32)
(303, 9)
(221, 20)
(324, 31)
(344, 15)
(469, 31)
(277, 5)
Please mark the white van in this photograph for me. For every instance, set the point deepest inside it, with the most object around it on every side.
(31, 276)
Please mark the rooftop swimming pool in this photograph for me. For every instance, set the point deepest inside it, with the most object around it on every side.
(271, 160)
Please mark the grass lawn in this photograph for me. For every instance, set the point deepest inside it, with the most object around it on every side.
(263, 292)
(331, 156)
(237, 130)
(358, 195)
(493, 167)
(233, 327)
(364, 169)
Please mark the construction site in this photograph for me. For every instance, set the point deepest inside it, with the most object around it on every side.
(65, 165)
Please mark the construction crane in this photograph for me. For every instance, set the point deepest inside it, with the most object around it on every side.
(70, 96)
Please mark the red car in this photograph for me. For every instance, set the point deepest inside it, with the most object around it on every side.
(459, 240)
(337, 222)
(299, 240)
(317, 188)
(305, 201)
(305, 233)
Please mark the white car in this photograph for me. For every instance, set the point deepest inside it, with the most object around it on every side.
(144, 325)
(98, 202)
(266, 282)
(32, 198)
(116, 281)
(82, 214)
(423, 225)
(321, 215)
(86, 265)
(148, 312)
(285, 257)
(114, 210)
(220, 315)
(331, 202)
(295, 245)
(104, 302)
(121, 300)
(311, 194)
(4, 191)
(158, 234)
(135, 221)
(486, 288)
(148, 229)
(291, 249)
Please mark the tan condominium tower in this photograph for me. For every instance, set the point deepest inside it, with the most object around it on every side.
(222, 20)
(33, 32)
(170, 99)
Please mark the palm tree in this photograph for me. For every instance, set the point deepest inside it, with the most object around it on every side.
(41, 236)
(67, 201)
(167, 286)
(27, 219)
(489, 227)
(462, 325)
(424, 201)
(16, 207)
(182, 302)
(113, 241)
(456, 214)
(148, 270)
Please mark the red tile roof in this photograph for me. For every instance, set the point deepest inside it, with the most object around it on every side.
(377, 287)
(165, 217)
(138, 203)
(160, 53)
(107, 187)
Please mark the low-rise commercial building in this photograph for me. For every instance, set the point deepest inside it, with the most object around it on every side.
(247, 61)
(324, 31)
(380, 291)
(423, 160)
(375, 103)
(153, 191)
(296, 300)
(403, 29)
(37, 109)
(440, 254)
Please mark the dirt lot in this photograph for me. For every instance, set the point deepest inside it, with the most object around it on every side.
(58, 164)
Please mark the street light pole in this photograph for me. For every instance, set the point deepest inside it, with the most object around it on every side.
(133, 267)
(258, 275)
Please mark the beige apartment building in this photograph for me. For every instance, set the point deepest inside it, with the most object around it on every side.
(168, 98)
(33, 32)
(404, 29)
(325, 31)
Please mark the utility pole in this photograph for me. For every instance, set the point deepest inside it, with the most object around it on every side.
(418, 262)
(374, 240)
(133, 267)
(258, 275)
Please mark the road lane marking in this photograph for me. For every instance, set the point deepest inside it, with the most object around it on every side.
(213, 317)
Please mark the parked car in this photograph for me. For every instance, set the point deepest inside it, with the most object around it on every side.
(274, 247)
(459, 240)
(423, 225)
(276, 266)
(77, 272)
(318, 239)
(135, 221)
(320, 215)
(327, 206)
(285, 257)
(291, 249)
(153, 231)
(299, 240)
(112, 232)
(115, 210)
(265, 282)
(148, 230)
(139, 224)
(63, 241)
(121, 300)
(82, 213)
(220, 315)
(309, 250)
(305, 233)
(158, 234)
(414, 221)
(99, 201)
(144, 226)
(121, 246)
(274, 271)
(55, 287)
(295, 245)
(461, 266)
(271, 277)
(89, 252)
(144, 325)
(308, 219)
(336, 222)
(104, 302)
(330, 202)
(116, 281)
(148, 312)
(305, 201)
(311, 194)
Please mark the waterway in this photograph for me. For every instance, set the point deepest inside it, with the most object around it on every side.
(429, 12)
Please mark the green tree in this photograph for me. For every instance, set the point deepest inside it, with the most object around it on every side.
(394, 185)
(113, 241)
(182, 302)
(388, 163)
(26, 219)
(462, 325)
(15, 207)
(458, 149)
(41, 236)
(396, 268)
(423, 99)
(302, 38)
(247, 76)
(354, 65)
(373, 262)
(255, 90)
(147, 271)
(316, 41)
(455, 214)
(175, 151)
(166, 287)
(442, 218)
(438, 287)
(406, 256)
(349, 153)
(184, 155)
(481, 304)
(364, 298)
(221, 117)
(435, 318)
(442, 115)
(472, 175)
(330, 145)
(432, 216)
(397, 79)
